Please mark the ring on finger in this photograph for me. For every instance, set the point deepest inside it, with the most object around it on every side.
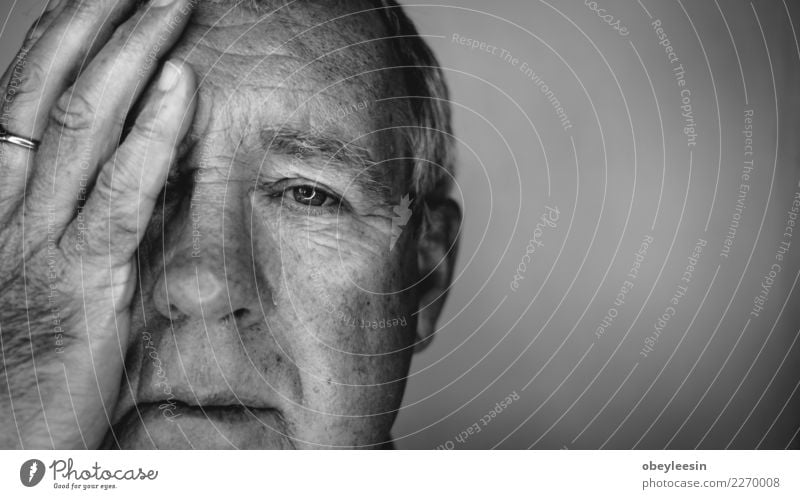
(6, 136)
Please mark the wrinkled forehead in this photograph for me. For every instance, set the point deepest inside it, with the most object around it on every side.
(311, 63)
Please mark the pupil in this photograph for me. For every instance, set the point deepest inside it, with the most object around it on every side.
(309, 195)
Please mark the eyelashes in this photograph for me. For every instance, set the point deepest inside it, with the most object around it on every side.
(307, 198)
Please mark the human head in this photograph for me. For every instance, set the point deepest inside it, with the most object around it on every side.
(305, 242)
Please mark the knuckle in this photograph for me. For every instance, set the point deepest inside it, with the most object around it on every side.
(134, 37)
(104, 188)
(113, 182)
(73, 113)
(150, 129)
(114, 226)
(125, 37)
(25, 80)
(84, 11)
(151, 138)
(122, 227)
(118, 195)
(35, 32)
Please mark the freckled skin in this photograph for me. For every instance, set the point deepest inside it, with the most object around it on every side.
(267, 300)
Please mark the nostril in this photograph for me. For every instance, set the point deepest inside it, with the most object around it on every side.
(174, 313)
(242, 318)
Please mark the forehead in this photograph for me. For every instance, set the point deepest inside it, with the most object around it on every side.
(307, 65)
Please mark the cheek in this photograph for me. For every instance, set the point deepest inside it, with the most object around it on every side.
(347, 321)
(344, 298)
(352, 307)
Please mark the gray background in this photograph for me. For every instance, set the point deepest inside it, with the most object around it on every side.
(717, 377)
(710, 382)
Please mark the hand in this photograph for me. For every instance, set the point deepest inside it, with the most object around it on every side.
(73, 212)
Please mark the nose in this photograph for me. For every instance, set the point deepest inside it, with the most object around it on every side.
(210, 276)
(201, 290)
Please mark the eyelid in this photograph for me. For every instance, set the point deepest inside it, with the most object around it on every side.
(284, 185)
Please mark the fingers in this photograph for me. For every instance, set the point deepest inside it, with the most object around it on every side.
(14, 81)
(86, 121)
(118, 210)
(22, 81)
(19, 80)
(51, 56)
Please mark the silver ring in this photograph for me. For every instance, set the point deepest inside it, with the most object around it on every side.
(6, 136)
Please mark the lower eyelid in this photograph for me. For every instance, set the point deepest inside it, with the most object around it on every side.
(332, 210)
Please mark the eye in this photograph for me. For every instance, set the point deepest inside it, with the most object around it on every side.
(312, 196)
(305, 197)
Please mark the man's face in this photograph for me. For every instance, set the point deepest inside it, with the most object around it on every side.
(274, 308)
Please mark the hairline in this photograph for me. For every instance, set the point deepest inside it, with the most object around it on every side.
(427, 132)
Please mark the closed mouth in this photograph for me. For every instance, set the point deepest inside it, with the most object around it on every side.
(175, 424)
(173, 410)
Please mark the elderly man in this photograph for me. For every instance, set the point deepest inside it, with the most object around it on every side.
(222, 224)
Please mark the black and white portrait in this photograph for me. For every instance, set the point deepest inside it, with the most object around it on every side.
(369, 224)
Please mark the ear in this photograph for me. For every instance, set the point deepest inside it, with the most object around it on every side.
(436, 256)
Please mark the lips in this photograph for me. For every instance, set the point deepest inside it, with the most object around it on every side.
(170, 424)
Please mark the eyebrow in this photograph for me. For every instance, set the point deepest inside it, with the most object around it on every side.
(307, 145)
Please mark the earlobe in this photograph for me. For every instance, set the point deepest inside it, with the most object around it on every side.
(436, 255)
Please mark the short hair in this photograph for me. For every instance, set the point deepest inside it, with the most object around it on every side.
(430, 136)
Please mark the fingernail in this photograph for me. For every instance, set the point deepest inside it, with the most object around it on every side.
(170, 74)
(161, 3)
(51, 5)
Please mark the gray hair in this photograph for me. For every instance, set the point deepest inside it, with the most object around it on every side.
(430, 136)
